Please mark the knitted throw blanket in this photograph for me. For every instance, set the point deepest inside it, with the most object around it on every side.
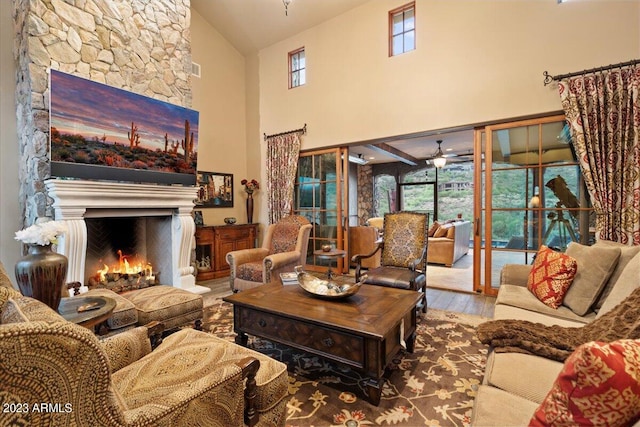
(557, 342)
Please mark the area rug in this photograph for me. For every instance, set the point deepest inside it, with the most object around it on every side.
(433, 386)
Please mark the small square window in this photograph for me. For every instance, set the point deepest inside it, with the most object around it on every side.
(402, 29)
(297, 68)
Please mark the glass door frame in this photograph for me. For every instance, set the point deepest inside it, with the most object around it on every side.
(483, 221)
(341, 240)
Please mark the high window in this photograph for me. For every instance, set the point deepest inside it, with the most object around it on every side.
(402, 29)
(297, 68)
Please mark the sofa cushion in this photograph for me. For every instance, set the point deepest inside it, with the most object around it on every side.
(626, 254)
(551, 275)
(516, 302)
(493, 407)
(507, 370)
(595, 265)
(626, 283)
(598, 385)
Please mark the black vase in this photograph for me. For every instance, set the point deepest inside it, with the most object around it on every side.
(41, 274)
(249, 208)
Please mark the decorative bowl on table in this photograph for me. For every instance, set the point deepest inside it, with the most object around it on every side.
(322, 288)
(230, 220)
(326, 248)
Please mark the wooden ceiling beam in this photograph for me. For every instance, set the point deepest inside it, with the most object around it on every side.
(395, 153)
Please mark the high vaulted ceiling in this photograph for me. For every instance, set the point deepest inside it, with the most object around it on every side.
(252, 25)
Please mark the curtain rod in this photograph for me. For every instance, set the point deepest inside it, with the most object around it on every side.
(548, 78)
(303, 130)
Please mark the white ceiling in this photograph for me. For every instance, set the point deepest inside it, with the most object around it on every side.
(252, 25)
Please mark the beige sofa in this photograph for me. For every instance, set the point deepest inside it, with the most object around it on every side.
(449, 243)
(515, 384)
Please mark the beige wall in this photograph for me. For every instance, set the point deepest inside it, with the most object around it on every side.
(219, 96)
(9, 184)
(475, 61)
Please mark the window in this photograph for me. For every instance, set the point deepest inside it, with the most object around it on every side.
(297, 68)
(402, 29)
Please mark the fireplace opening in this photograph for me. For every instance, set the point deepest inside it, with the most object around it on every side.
(127, 252)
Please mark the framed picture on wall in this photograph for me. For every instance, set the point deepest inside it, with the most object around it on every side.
(215, 190)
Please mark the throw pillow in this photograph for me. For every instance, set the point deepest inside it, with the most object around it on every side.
(599, 385)
(442, 230)
(551, 275)
(433, 228)
(626, 254)
(595, 265)
(451, 233)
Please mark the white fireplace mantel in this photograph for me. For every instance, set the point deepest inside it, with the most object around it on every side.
(75, 200)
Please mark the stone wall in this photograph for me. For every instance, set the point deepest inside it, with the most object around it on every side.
(138, 45)
(365, 193)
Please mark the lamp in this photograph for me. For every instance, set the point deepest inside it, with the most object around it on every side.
(535, 200)
(439, 160)
(286, 5)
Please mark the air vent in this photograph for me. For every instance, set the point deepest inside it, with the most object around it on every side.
(195, 69)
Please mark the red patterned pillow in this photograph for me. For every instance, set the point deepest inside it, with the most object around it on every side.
(551, 275)
(599, 385)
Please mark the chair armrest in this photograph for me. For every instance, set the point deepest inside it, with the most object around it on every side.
(357, 259)
(250, 366)
(126, 347)
(276, 261)
(515, 274)
(235, 258)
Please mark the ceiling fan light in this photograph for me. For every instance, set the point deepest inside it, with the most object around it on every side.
(439, 162)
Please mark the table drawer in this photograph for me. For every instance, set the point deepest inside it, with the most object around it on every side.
(322, 340)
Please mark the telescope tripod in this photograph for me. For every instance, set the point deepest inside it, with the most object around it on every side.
(564, 229)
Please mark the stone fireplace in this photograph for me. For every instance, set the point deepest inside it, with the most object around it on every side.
(167, 228)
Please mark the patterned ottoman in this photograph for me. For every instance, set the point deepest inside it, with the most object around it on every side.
(172, 306)
(124, 316)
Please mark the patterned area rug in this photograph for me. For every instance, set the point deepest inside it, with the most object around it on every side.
(435, 385)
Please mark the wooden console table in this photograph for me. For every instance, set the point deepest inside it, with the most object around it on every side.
(213, 242)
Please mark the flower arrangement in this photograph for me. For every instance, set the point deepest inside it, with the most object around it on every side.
(250, 186)
(42, 233)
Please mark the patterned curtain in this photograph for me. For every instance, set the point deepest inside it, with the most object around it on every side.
(282, 162)
(603, 113)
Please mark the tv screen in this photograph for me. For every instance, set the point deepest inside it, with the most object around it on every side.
(105, 133)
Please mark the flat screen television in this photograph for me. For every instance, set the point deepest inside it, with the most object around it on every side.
(106, 133)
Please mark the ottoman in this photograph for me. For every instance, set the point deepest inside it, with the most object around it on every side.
(124, 316)
(172, 306)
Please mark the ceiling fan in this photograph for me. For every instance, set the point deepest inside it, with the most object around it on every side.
(439, 158)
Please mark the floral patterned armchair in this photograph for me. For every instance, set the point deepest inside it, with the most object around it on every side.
(284, 247)
(191, 378)
(404, 254)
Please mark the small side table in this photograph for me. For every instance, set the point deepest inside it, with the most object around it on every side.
(94, 318)
(333, 254)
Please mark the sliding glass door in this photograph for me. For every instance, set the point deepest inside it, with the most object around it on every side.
(530, 193)
(321, 194)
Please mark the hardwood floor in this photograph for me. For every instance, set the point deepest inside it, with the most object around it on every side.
(460, 302)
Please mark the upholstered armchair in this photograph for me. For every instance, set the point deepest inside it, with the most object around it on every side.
(284, 246)
(403, 261)
(56, 373)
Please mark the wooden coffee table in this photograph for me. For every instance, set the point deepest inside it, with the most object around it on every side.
(363, 331)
